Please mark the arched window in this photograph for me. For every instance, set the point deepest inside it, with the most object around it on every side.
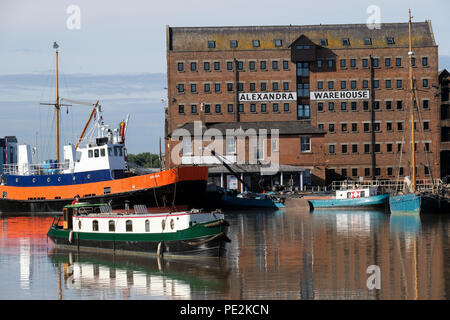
(147, 226)
(129, 226)
(94, 225)
(112, 226)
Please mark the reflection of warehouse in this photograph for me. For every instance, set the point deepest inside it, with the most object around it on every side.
(346, 80)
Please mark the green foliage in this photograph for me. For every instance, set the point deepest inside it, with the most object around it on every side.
(144, 160)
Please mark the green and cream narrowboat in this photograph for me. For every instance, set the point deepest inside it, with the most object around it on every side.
(97, 227)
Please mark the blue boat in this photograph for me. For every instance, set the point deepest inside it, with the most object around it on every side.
(250, 200)
(364, 198)
(414, 203)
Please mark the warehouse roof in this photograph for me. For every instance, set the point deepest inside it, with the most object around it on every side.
(197, 38)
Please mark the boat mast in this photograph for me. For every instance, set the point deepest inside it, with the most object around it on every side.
(411, 93)
(57, 107)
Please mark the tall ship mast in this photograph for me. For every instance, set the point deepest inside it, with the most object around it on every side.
(413, 201)
(95, 169)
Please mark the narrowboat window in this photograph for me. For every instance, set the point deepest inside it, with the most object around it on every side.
(90, 153)
(110, 152)
(147, 226)
(96, 154)
(95, 225)
(129, 226)
(102, 152)
(112, 226)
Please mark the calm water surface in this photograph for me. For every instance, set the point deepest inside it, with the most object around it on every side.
(284, 254)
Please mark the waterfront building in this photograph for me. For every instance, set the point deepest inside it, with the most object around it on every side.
(348, 81)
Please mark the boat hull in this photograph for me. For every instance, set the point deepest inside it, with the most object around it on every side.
(194, 241)
(183, 187)
(412, 203)
(235, 202)
(375, 202)
(188, 194)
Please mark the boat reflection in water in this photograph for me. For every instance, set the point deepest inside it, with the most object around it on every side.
(353, 221)
(118, 277)
(407, 223)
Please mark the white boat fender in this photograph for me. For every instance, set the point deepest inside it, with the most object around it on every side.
(159, 251)
(70, 236)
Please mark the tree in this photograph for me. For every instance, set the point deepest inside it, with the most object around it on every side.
(144, 160)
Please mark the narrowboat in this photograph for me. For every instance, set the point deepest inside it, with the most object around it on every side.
(97, 227)
(362, 198)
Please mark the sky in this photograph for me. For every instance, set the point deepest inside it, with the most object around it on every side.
(114, 51)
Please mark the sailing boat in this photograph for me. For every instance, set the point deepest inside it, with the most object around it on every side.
(95, 170)
(413, 202)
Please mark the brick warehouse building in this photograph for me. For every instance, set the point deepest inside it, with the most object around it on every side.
(346, 80)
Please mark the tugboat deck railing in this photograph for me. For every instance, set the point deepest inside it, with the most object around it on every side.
(27, 169)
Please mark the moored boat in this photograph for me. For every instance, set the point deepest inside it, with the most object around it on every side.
(413, 201)
(97, 227)
(358, 198)
(250, 200)
(96, 169)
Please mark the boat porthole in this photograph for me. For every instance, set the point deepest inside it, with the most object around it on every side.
(172, 224)
(73, 178)
(48, 179)
(88, 176)
(79, 224)
(34, 180)
(59, 179)
(163, 224)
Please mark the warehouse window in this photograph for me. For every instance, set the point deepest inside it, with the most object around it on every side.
(305, 144)
(278, 43)
(229, 65)
(367, 41)
(263, 65)
(390, 40)
(323, 42)
(233, 43)
(255, 43)
(425, 61)
(387, 62)
(211, 44)
(346, 42)
(216, 65)
(193, 66)
(303, 111)
(180, 66)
